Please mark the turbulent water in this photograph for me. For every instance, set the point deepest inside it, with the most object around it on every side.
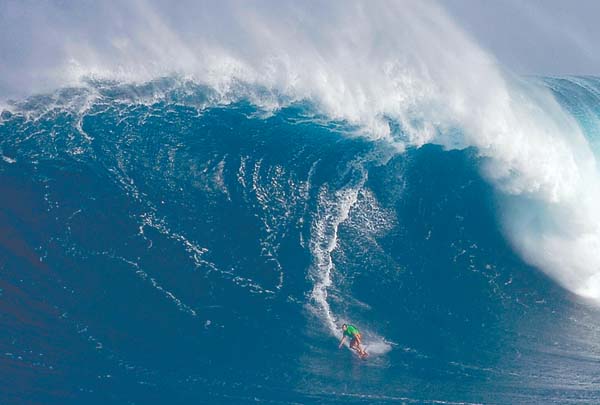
(194, 199)
(175, 250)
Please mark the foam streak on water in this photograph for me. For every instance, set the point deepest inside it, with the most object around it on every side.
(332, 213)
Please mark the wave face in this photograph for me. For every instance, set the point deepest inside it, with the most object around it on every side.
(404, 74)
(159, 246)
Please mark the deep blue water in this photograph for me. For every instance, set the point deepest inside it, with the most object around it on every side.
(158, 252)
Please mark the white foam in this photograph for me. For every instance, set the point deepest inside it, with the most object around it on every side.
(334, 209)
(377, 346)
(322, 244)
(8, 160)
(168, 294)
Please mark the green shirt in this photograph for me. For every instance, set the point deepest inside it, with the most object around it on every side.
(351, 331)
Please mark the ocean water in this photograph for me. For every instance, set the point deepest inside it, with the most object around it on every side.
(158, 246)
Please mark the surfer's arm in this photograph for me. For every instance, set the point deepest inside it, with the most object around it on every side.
(342, 342)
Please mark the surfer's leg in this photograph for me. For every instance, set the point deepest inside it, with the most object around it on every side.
(361, 349)
(355, 345)
(358, 346)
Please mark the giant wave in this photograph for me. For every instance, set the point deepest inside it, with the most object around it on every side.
(217, 204)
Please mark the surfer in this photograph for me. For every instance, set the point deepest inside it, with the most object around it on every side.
(355, 339)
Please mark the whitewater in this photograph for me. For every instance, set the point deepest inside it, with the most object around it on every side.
(190, 190)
